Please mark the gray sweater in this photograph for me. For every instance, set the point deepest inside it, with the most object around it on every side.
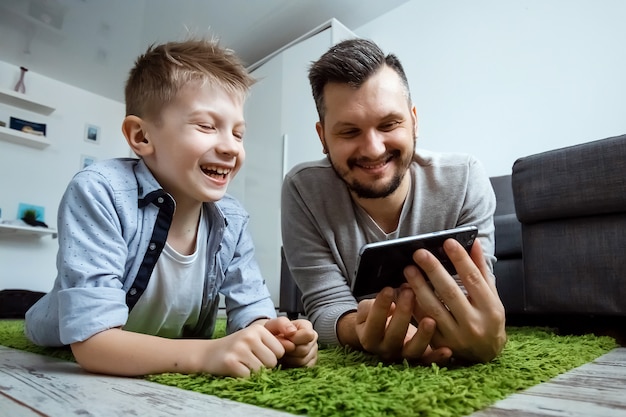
(323, 229)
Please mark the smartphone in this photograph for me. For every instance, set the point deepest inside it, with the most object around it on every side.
(381, 264)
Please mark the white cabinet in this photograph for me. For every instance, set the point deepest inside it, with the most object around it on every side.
(24, 102)
(280, 132)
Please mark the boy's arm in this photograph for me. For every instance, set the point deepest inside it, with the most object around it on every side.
(120, 352)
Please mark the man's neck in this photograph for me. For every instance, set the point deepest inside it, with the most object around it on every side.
(386, 211)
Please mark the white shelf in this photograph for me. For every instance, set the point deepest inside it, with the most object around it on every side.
(17, 230)
(24, 101)
(21, 138)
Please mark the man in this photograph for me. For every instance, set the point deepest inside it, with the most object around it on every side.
(372, 186)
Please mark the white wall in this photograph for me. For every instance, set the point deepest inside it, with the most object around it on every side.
(505, 79)
(39, 176)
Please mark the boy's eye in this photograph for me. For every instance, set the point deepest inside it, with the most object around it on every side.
(206, 126)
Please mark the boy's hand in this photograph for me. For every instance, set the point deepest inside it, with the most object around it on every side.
(297, 338)
(245, 351)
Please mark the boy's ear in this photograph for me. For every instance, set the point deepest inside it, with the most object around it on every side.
(134, 132)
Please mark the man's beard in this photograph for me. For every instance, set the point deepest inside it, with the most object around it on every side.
(366, 190)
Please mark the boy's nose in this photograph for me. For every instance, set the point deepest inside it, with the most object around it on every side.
(229, 145)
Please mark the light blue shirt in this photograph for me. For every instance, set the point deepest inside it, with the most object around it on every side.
(112, 224)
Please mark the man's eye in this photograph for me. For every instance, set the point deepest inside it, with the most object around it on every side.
(349, 133)
(390, 125)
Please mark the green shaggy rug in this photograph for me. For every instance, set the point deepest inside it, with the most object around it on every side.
(349, 383)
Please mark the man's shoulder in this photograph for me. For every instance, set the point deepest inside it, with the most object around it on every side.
(427, 158)
(310, 169)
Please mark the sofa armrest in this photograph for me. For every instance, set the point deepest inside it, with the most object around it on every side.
(575, 181)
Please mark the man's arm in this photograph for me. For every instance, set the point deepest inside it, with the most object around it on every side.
(306, 234)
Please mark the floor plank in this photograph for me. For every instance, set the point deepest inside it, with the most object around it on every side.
(597, 388)
(35, 385)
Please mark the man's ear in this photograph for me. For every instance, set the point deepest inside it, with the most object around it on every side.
(414, 116)
(134, 132)
(320, 132)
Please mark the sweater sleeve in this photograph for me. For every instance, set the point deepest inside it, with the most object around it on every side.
(479, 207)
(312, 253)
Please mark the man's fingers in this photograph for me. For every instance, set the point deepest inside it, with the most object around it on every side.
(375, 318)
(473, 273)
(396, 330)
(415, 348)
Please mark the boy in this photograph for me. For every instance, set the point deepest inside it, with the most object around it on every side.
(146, 245)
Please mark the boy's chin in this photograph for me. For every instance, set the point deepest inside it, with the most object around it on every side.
(214, 196)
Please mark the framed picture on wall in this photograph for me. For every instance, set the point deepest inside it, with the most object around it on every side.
(92, 133)
(86, 160)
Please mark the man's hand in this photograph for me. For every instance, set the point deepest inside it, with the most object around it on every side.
(383, 327)
(473, 326)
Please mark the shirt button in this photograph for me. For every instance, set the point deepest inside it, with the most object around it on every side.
(219, 248)
(160, 200)
(133, 291)
(152, 246)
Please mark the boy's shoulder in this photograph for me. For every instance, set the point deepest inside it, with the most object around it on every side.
(112, 167)
(120, 174)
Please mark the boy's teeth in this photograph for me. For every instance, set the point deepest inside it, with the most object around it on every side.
(219, 170)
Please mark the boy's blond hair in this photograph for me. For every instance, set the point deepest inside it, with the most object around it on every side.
(163, 70)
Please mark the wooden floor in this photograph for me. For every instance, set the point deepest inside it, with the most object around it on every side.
(594, 389)
(34, 386)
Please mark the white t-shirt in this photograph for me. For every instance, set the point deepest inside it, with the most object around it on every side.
(173, 298)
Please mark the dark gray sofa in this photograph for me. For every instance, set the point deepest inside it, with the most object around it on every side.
(571, 203)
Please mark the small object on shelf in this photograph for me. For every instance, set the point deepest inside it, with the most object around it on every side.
(30, 217)
(25, 126)
(20, 87)
(2, 124)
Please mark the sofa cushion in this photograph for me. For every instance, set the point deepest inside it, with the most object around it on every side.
(580, 180)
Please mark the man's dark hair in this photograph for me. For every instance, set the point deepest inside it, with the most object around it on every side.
(350, 62)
